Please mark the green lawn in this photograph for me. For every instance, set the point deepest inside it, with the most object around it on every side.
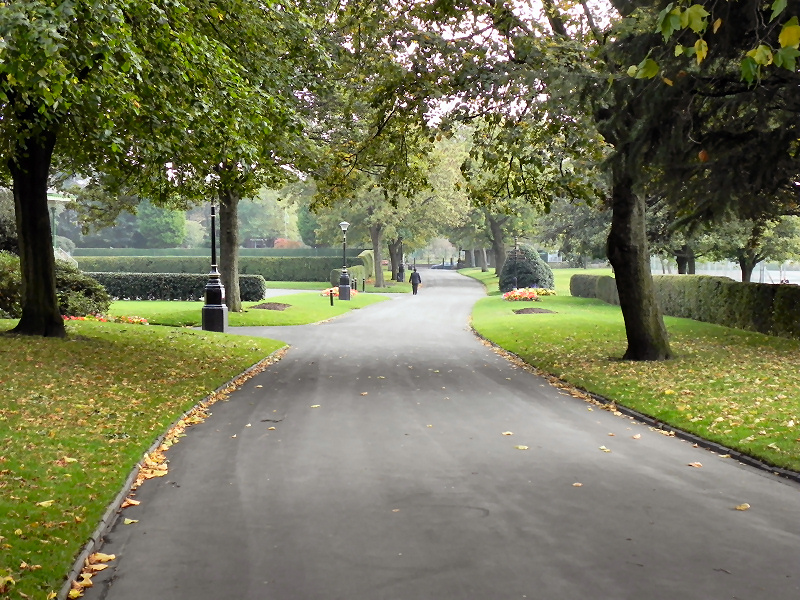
(733, 387)
(76, 415)
(303, 308)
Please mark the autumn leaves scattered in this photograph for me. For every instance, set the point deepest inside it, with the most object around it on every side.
(154, 464)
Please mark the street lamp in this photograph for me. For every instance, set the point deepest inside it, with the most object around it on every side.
(344, 280)
(215, 313)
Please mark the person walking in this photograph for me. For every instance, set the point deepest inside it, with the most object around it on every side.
(415, 280)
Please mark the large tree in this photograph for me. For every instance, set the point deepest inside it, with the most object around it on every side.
(112, 87)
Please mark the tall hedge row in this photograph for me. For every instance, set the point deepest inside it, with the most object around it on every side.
(172, 286)
(206, 252)
(773, 309)
(307, 268)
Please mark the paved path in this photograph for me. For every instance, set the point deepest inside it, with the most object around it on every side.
(401, 486)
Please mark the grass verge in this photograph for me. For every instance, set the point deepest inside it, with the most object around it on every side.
(303, 308)
(733, 387)
(75, 417)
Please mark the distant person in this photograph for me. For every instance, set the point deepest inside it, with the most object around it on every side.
(415, 280)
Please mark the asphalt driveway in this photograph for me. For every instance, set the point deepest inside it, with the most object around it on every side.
(388, 476)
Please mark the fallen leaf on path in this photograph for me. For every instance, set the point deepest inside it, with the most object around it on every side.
(637, 436)
(99, 557)
(315, 405)
(521, 447)
(271, 428)
(744, 506)
(364, 393)
(604, 449)
(508, 433)
(249, 425)
(234, 435)
(696, 464)
(259, 386)
(130, 521)
(612, 434)
(129, 502)
(395, 510)
(576, 484)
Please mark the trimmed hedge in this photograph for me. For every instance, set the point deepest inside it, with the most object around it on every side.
(356, 272)
(206, 252)
(172, 286)
(773, 309)
(270, 268)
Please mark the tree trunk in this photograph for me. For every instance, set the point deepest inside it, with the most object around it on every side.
(747, 263)
(686, 260)
(229, 248)
(376, 235)
(471, 257)
(395, 255)
(498, 247)
(482, 260)
(30, 167)
(628, 254)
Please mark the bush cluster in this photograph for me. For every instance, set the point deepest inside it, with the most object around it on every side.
(528, 267)
(173, 286)
(78, 294)
(773, 309)
(308, 268)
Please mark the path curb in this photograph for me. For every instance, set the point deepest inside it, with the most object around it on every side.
(110, 516)
(651, 421)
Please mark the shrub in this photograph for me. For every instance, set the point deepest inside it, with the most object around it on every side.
(78, 294)
(10, 286)
(583, 286)
(528, 267)
(767, 308)
(173, 286)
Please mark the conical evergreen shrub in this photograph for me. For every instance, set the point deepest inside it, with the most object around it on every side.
(527, 266)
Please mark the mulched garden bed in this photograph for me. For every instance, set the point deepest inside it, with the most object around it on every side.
(272, 306)
(528, 311)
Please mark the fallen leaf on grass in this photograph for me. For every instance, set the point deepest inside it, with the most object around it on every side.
(744, 506)
(45, 503)
(521, 447)
(695, 464)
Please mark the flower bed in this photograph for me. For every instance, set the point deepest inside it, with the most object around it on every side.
(105, 319)
(335, 292)
(529, 294)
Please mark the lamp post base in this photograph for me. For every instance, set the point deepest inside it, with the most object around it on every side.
(344, 286)
(215, 318)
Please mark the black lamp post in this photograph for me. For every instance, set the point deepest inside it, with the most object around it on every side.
(344, 280)
(215, 313)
